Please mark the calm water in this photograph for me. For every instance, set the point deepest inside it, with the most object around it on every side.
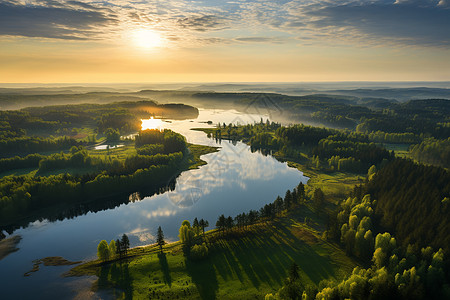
(234, 180)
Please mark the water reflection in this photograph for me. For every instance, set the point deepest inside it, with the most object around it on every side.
(107, 146)
(234, 180)
(151, 124)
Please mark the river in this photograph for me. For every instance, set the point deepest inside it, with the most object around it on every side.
(234, 180)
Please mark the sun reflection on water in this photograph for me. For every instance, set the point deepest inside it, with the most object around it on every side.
(151, 124)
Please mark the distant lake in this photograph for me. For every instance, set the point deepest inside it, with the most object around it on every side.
(235, 180)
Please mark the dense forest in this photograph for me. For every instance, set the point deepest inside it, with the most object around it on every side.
(48, 156)
(385, 222)
(21, 195)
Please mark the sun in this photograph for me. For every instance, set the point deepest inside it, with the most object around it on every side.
(146, 38)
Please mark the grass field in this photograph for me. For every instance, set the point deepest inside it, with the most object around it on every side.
(335, 185)
(243, 265)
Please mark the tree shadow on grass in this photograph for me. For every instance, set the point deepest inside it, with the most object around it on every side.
(226, 264)
(265, 256)
(204, 277)
(165, 268)
(116, 278)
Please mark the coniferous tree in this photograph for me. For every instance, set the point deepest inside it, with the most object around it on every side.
(288, 200)
(203, 224)
(196, 226)
(318, 198)
(125, 243)
(160, 239)
(119, 249)
(301, 192)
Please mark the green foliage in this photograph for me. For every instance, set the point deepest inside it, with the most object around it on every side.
(103, 250)
(198, 252)
(432, 151)
(371, 172)
(112, 135)
(112, 247)
(186, 234)
(394, 138)
(171, 141)
(150, 149)
(409, 203)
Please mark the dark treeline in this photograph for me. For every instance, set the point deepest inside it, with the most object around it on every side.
(413, 202)
(78, 208)
(17, 162)
(267, 212)
(418, 117)
(410, 261)
(26, 144)
(21, 195)
(333, 149)
(415, 116)
(432, 151)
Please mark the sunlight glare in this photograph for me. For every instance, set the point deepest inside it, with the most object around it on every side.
(151, 124)
(146, 38)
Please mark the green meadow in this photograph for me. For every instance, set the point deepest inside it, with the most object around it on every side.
(243, 264)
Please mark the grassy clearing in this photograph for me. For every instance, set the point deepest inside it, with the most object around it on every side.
(120, 153)
(243, 265)
(195, 151)
(335, 185)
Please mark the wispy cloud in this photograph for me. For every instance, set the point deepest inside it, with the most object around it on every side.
(202, 23)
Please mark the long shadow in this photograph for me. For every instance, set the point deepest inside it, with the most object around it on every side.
(227, 263)
(165, 268)
(264, 257)
(115, 280)
(204, 277)
(315, 266)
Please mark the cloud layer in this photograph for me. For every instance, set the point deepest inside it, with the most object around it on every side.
(52, 19)
(402, 22)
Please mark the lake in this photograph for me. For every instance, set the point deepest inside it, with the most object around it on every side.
(234, 180)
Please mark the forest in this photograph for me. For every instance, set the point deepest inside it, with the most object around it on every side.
(48, 157)
(378, 180)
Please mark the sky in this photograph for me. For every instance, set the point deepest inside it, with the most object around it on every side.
(107, 41)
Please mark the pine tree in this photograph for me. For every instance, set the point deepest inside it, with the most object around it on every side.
(160, 239)
(125, 243)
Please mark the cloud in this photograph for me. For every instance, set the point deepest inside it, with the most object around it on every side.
(197, 23)
(52, 19)
(261, 39)
(201, 23)
(404, 22)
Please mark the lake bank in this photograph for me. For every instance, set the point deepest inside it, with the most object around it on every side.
(241, 264)
(9, 245)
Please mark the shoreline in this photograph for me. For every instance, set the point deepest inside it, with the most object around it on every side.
(9, 245)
